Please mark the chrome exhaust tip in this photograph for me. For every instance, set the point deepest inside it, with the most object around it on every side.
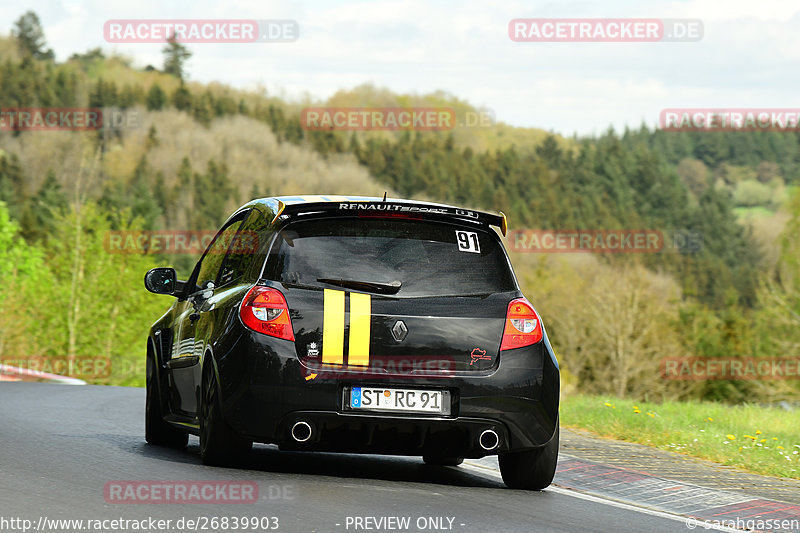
(301, 431)
(489, 440)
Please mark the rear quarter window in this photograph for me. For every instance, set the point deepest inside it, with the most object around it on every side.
(429, 259)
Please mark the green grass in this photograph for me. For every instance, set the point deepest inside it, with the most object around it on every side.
(758, 211)
(756, 439)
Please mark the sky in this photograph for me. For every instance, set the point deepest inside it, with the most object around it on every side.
(747, 58)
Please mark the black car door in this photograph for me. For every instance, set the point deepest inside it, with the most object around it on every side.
(184, 366)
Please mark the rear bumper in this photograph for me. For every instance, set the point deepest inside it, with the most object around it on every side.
(393, 435)
(265, 390)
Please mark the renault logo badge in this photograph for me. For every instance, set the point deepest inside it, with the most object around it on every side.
(399, 331)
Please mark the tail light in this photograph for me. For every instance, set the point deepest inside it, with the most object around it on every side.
(264, 310)
(523, 326)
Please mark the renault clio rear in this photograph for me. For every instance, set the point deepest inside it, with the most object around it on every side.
(360, 325)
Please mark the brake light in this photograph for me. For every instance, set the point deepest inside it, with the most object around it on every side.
(264, 310)
(523, 326)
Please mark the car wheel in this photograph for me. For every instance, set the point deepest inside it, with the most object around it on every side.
(442, 461)
(156, 431)
(532, 469)
(219, 444)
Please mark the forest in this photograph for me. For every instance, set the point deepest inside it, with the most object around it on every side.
(190, 153)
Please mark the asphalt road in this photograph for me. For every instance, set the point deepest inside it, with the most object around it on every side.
(60, 446)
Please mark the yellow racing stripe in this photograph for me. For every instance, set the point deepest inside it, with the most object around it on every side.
(333, 327)
(360, 312)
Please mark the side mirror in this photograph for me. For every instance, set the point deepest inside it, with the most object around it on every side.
(161, 280)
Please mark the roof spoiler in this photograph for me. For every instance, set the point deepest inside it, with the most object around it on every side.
(396, 208)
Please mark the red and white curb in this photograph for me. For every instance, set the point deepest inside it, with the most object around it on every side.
(695, 506)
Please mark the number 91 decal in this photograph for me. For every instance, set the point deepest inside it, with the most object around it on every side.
(468, 242)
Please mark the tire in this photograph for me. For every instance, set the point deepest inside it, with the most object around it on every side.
(156, 431)
(442, 461)
(219, 444)
(531, 469)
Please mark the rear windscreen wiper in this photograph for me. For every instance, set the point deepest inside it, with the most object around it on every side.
(368, 286)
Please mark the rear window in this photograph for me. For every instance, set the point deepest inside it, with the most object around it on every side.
(427, 259)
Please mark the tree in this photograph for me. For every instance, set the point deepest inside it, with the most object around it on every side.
(621, 353)
(23, 273)
(16, 256)
(129, 96)
(694, 174)
(65, 88)
(12, 184)
(202, 108)
(212, 191)
(175, 57)
(104, 94)
(767, 171)
(779, 296)
(134, 198)
(49, 202)
(30, 37)
(182, 98)
(142, 202)
(95, 54)
(152, 138)
(181, 195)
(97, 291)
(156, 98)
(160, 192)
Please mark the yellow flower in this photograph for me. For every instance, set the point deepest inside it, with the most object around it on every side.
(651, 415)
(635, 407)
(763, 440)
(710, 419)
(637, 411)
(740, 448)
(608, 404)
(749, 437)
(758, 432)
(774, 438)
(780, 447)
(732, 437)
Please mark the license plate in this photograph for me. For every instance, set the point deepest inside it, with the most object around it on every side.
(400, 400)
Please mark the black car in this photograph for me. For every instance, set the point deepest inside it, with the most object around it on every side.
(355, 324)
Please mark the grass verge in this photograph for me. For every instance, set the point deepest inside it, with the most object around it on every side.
(757, 439)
